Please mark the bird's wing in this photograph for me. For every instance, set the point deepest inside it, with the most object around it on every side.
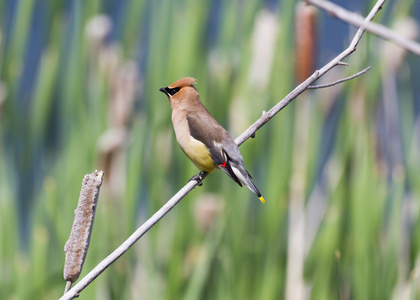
(201, 129)
(223, 149)
(215, 137)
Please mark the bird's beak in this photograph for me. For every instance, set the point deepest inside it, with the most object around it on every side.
(165, 90)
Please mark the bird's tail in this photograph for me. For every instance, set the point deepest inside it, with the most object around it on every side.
(249, 184)
(246, 180)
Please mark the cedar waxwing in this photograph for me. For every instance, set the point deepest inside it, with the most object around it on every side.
(207, 144)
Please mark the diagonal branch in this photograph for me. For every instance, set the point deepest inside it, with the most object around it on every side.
(85, 281)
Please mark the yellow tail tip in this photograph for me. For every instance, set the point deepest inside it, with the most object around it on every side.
(262, 200)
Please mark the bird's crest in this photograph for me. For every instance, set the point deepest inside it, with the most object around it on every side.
(183, 82)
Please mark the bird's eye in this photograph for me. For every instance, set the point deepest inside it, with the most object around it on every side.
(173, 91)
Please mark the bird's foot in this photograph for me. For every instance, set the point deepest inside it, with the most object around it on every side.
(199, 178)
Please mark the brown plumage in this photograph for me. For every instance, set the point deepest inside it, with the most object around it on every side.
(207, 144)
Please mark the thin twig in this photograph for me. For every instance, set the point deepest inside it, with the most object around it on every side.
(242, 138)
(341, 63)
(375, 28)
(313, 87)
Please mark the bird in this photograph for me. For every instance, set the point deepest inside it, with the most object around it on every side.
(203, 140)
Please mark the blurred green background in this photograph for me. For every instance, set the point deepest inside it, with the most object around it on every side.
(339, 168)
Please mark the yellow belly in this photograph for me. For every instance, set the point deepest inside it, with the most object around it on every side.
(198, 153)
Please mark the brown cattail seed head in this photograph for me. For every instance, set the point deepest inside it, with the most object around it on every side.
(77, 246)
(306, 40)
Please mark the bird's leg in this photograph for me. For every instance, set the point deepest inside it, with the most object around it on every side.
(199, 178)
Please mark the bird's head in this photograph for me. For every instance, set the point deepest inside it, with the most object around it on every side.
(180, 91)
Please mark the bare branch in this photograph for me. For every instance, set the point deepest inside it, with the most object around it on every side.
(313, 87)
(266, 116)
(375, 28)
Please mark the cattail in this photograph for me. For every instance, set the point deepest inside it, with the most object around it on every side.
(263, 43)
(125, 84)
(77, 246)
(394, 54)
(97, 30)
(206, 210)
(306, 40)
